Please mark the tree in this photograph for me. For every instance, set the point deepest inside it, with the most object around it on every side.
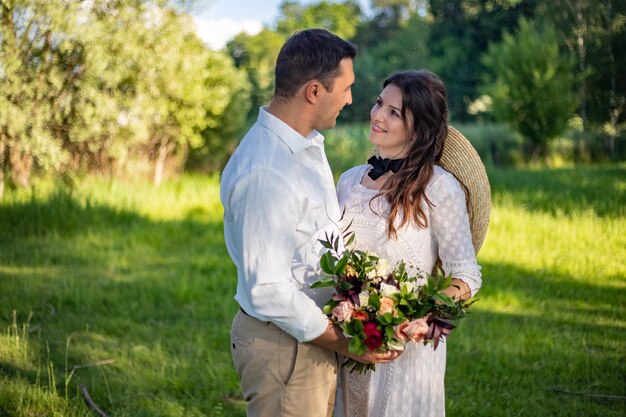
(38, 66)
(531, 83)
(229, 95)
(595, 33)
(256, 55)
(340, 18)
(405, 49)
(461, 30)
(104, 85)
(140, 101)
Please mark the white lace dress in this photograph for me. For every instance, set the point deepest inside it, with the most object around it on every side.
(413, 385)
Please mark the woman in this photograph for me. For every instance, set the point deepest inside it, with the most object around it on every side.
(403, 206)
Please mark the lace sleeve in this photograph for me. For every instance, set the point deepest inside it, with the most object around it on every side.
(451, 230)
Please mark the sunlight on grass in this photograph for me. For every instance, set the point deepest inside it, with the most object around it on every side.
(129, 290)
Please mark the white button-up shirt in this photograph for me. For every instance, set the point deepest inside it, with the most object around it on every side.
(279, 198)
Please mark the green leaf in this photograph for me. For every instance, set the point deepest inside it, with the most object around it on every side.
(374, 301)
(385, 319)
(389, 332)
(323, 283)
(325, 243)
(356, 346)
(444, 298)
(341, 265)
(357, 325)
(329, 306)
(327, 263)
(351, 239)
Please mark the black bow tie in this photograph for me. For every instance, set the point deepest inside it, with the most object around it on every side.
(380, 166)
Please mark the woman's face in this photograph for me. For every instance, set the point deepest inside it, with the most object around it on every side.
(388, 130)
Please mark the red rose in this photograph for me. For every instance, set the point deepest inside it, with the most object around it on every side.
(359, 315)
(374, 337)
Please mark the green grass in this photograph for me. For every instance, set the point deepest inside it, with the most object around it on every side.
(129, 290)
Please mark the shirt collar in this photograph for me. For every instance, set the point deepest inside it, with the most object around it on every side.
(293, 139)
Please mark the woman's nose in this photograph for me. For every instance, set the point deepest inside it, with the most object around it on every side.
(377, 113)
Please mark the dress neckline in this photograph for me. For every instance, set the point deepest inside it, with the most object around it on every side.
(359, 177)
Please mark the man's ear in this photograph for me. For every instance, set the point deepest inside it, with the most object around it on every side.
(312, 91)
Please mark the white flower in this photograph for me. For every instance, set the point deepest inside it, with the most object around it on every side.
(410, 286)
(364, 298)
(382, 268)
(387, 290)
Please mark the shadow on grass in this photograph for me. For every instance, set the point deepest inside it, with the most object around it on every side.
(580, 190)
(539, 344)
(142, 308)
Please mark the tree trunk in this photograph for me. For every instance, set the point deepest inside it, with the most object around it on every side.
(2, 152)
(616, 105)
(21, 164)
(582, 65)
(163, 150)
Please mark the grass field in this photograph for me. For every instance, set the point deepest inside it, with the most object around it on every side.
(128, 291)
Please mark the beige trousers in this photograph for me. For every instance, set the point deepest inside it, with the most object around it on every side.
(279, 376)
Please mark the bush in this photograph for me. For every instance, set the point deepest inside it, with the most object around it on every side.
(496, 143)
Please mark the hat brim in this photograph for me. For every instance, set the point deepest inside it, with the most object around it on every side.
(459, 157)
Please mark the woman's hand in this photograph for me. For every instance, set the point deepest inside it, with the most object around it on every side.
(459, 290)
(376, 357)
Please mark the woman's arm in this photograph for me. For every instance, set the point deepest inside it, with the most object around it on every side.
(451, 228)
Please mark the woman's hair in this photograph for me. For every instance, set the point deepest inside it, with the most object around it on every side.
(307, 55)
(424, 99)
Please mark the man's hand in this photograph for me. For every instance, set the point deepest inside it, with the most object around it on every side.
(334, 339)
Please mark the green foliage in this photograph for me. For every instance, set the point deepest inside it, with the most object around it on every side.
(531, 84)
(256, 55)
(406, 48)
(34, 82)
(347, 145)
(124, 87)
(229, 95)
(461, 30)
(340, 18)
(496, 143)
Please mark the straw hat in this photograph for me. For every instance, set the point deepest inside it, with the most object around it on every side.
(461, 159)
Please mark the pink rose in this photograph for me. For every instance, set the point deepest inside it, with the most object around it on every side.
(343, 311)
(414, 330)
(386, 306)
(397, 330)
(374, 337)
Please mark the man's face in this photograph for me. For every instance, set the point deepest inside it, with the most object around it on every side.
(332, 102)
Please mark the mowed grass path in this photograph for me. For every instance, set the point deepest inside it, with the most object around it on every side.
(128, 291)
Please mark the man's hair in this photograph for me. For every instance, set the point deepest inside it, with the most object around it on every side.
(312, 54)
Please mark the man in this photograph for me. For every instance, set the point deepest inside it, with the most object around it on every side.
(279, 198)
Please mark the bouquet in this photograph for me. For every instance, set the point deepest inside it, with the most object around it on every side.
(381, 308)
